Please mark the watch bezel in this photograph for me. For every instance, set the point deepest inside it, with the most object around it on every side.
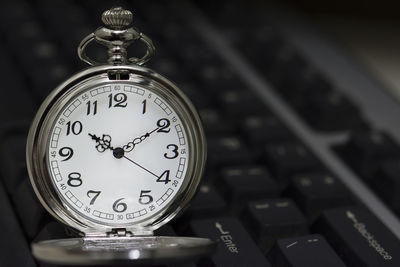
(75, 85)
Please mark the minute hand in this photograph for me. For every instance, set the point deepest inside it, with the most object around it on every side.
(131, 145)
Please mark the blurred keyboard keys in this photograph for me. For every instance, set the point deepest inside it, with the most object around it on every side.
(214, 123)
(264, 129)
(269, 220)
(249, 104)
(387, 183)
(315, 192)
(235, 248)
(304, 251)
(227, 149)
(364, 151)
(359, 237)
(288, 159)
(207, 202)
(243, 183)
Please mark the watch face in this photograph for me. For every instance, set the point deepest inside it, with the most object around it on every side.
(118, 153)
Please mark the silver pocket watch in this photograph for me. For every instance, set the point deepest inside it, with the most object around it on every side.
(115, 152)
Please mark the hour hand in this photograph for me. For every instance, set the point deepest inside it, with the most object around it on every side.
(103, 143)
(131, 145)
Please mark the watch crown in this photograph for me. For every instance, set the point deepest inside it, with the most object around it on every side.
(117, 18)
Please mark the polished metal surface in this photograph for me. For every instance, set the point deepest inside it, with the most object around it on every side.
(127, 250)
(117, 36)
(45, 118)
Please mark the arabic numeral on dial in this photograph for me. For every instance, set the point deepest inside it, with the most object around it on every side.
(119, 99)
(74, 179)
(163, 124)
(174, 150)
(145, 198)
(66, 152)
(95, 194)
(75, 127)
(144, 106)
(119, 206)
(164, 177)
(91, 106)
(85, 97)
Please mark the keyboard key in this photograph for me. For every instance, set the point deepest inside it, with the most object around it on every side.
(214, 123)
(387, 183)
(306, 81)
(168, 68)
(365, 150)
(240, 103)
(331, 111)
(239, 184)
(310, 251)
(359, 237)
(316, 192)
(269, 220)
(289, 159)
(195, 93)
(227, 150)
(264, 129)
(217, 77)
(234, 245)
(207, 202)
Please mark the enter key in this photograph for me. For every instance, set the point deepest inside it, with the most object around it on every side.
(234, 245)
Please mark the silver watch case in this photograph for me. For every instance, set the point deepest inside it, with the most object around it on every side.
(39, 176)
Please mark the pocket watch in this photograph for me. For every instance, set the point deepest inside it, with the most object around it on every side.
(115, 152)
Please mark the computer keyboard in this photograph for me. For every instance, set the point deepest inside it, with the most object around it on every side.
(303, 148)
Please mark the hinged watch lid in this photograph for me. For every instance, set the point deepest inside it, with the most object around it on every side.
(102, 244)
(118, 250)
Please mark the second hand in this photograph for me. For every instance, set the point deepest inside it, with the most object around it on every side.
(140, 166)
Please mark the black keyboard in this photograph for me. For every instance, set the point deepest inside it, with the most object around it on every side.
(303, 149)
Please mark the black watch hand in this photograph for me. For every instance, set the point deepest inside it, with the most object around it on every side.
(103, 143)
(131, 145)
(140, 166)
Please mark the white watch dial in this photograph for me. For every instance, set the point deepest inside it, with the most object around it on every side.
(118, 154)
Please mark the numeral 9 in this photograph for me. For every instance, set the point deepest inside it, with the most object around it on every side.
(66, 152)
